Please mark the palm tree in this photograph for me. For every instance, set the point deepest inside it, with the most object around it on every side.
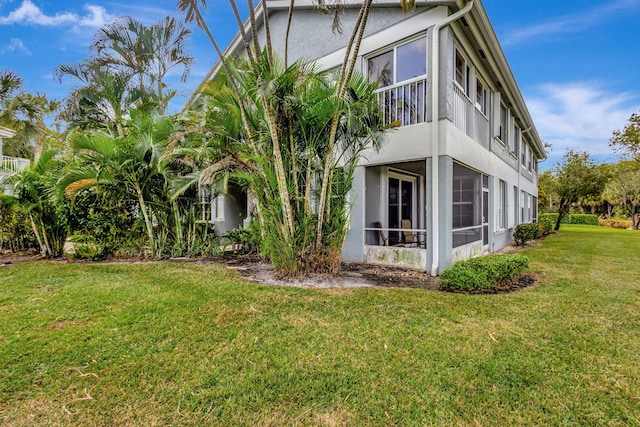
(25, 113)
(146, 52)
(35, 191)
(283, 169)
(103, 99)
(133, 162)
(293, 151)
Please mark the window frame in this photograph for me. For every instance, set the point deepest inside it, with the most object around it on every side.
(394, 49)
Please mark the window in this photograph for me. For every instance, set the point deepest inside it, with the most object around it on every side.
(462, 71)
(523, 153)
(482, 98)
(534, 204)
(467, 217)
(523, 207)
(504, 124)
(502, 206)
(398, 64)
(530, 156)
(514, 144)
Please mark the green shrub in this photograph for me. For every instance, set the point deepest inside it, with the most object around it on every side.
(483, 273)
(584, 219)
(553, 217)
(249, 237)
(546, 224)
(526, 232)
(615, 222)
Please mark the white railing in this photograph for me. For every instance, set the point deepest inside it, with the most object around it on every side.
(462, 107)
(482, 134)
(404, 103)
(13, 163)
(468, 118)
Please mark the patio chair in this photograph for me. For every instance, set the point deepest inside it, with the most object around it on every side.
(410, 238)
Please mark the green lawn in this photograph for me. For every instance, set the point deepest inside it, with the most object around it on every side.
(187, 344)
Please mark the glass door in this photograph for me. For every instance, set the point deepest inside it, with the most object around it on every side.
(401, 205)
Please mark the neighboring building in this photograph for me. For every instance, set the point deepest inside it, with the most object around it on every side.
(8, 165)
(442, 61)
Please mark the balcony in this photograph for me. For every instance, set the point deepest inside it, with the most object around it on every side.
(404, 103)
(13, 164)
(468, 118)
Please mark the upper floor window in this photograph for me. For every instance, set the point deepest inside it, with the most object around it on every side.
(514, 144)
(398, 64)
(482, 98)
(463, 74)
(504, 124)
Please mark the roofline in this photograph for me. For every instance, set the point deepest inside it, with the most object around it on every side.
(6, 132)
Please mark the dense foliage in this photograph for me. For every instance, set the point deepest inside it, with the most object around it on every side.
(483, 273)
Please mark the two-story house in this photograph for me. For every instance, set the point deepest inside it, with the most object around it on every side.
(461, 170)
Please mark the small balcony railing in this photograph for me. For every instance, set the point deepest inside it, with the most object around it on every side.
(468, 118)
(13, 164)
(404, 103)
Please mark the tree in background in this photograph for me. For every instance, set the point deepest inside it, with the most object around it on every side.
(25, 113)
(147, 53)
(627, 140)
(623, 189)
(576, 177)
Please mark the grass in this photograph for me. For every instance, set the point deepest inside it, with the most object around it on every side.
(187, 344)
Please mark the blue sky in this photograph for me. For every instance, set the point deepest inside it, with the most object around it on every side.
(577, 62)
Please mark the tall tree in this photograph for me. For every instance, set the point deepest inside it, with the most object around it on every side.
(576, 177)
(146, 52)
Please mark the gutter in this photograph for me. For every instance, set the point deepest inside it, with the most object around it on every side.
(435, 131)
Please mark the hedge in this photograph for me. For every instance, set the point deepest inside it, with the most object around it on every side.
(482, 273)
(585, 219)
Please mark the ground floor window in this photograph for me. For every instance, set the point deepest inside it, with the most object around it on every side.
(467, 205)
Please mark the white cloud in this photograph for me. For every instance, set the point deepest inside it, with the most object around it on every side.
(14, 45)
(29, 13)
(579, 116)
(572, 23)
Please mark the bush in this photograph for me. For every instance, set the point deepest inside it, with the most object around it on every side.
(526, 232)
(615, 222)
(483, 273)
(546, 225)
(584, 219)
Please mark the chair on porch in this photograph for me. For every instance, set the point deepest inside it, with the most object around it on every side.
(410, 238)
(383, 237)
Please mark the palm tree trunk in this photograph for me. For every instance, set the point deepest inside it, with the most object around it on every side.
(279, 169)
(286, 37)
(147, 220)
(351, 55)
(243, 33)
(254, 29)
(267, 31)
(43, 250)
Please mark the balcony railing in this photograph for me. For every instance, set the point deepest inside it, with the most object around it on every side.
(404, 103)
(468, 118)
(13, 163)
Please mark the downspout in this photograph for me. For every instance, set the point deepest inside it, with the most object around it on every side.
(435, 131)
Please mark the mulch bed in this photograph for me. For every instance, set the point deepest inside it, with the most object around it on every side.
(375, 275)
